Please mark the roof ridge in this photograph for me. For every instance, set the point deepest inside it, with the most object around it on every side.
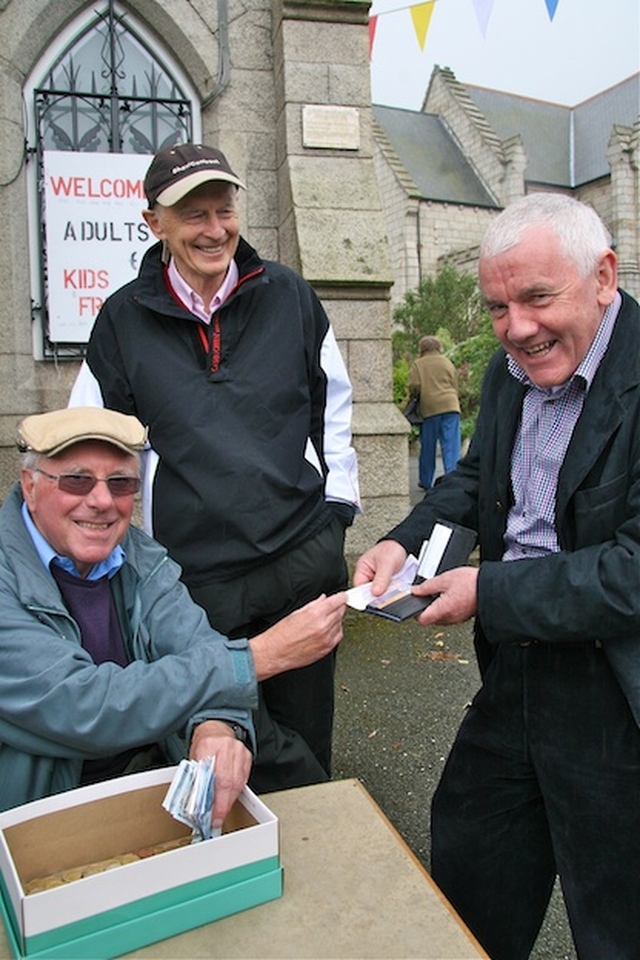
(474, 113)
(393, 159)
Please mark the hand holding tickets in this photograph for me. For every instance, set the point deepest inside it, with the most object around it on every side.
(448, 546)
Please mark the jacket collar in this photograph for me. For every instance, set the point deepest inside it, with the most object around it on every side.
(151, 289)
(604, 407)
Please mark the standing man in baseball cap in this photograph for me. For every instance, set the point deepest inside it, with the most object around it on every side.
(251, 479)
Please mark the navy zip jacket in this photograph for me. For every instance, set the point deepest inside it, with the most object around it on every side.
(244, 456)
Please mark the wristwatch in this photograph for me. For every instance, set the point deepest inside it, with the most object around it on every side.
(240, 733)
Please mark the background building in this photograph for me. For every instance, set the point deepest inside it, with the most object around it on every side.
(446, 170)
(283, 87)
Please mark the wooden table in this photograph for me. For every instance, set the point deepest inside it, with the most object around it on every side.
(352, 889)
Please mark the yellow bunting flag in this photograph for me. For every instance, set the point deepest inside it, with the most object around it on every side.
(421, 16)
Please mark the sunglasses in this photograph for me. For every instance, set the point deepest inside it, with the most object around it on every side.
(80, 484)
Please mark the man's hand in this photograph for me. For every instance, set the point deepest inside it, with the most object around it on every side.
(214, 738)
(378, 565)
(303, 637)
(458, 600)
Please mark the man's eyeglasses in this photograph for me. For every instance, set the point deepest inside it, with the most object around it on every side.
(80, 484)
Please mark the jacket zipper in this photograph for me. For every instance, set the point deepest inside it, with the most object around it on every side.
(211, 335)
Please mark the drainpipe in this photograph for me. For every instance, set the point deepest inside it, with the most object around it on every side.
(224, 58)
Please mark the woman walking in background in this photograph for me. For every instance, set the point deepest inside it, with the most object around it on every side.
(435, 380)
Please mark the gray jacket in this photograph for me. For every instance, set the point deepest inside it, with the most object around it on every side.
(57, 708)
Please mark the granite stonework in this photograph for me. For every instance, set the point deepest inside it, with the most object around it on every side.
(316, 208)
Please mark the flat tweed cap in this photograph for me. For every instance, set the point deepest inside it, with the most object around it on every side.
(51, 433)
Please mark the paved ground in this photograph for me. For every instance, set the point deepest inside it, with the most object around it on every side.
(401, 692)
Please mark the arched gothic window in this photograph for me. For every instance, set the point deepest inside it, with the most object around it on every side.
(104, 86)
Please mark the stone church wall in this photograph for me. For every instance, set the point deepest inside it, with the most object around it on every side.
(314, 206)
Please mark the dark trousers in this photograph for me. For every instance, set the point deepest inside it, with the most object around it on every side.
(544, 778)
(294, 720)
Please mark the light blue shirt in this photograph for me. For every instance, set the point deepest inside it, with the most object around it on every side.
(107, 567)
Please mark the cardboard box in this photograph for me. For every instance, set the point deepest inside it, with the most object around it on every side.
(128, 906)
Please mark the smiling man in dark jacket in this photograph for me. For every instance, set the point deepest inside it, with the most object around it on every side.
(544, 776)
(251, 480)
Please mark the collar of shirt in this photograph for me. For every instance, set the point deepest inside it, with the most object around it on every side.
(107, 567)
(588, 367)
(192, 301)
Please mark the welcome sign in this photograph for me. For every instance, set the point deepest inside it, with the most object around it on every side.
(95, 234)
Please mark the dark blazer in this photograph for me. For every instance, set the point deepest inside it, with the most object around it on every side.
(590, 590)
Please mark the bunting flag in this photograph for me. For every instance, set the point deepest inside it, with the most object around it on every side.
(483, 12)
(373, 23)
(421, 16)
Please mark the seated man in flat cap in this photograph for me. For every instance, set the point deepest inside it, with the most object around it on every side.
(108, 666)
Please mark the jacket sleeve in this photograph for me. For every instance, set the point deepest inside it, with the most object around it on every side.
(590, 593)
(414, 380)
(86, 392)
(454, 497)
(54, 701)
(342, 478)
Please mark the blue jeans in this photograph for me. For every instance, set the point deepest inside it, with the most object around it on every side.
(443, 427)
(544, 778)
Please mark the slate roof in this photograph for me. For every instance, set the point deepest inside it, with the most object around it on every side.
(545, 129)
(594, 120)
(431, 157)
(565, 146)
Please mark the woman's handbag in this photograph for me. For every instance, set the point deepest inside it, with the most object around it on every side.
(412, 411)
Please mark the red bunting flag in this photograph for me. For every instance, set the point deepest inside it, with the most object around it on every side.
(373, 23)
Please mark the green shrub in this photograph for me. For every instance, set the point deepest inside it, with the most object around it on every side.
(448, 306)
(470, 359)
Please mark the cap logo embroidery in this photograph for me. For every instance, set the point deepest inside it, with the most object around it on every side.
(195, 163)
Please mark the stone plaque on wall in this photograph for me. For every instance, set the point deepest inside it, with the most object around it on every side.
(330, 127)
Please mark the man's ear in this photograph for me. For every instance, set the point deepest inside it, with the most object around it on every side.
(152, 220)
(606, 278)
(28, 484)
